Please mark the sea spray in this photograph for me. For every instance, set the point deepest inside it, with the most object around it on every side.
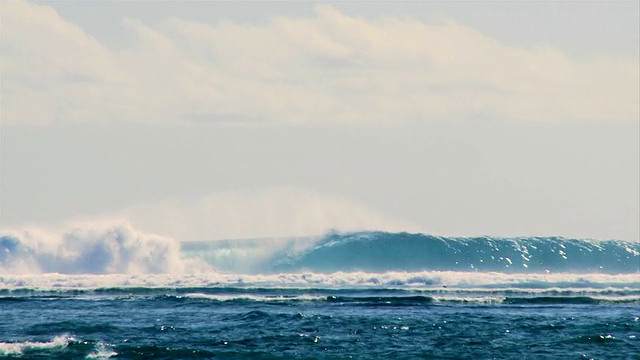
(92, 248)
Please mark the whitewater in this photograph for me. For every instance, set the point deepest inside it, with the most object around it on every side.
(111, 291)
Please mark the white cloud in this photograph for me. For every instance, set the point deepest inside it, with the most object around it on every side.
(331, 68)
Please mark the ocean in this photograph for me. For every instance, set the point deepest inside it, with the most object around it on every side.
(122, 294)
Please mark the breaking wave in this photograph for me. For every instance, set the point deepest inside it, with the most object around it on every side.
(56, 348)
(92, 249)
(117, 248)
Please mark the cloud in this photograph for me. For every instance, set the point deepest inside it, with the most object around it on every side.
(273, 212)
(329, 68)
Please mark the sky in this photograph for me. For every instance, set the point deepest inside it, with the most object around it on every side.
(216, 120)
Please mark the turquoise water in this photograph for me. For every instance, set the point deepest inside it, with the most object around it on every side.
(342, 296)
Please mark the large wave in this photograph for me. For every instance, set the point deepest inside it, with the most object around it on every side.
(117, 248)
(382, 252)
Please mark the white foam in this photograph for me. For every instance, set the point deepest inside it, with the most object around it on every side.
(19, 348)
(95, 248)
(413, 280)
(102, 351)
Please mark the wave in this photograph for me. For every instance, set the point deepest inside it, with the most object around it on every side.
(100, 248)
(20, 348)
(117, 248)
(56, 348)
(562, 300)
(382, 252)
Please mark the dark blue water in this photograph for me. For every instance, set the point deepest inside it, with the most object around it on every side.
(238, 323)
(344, 296)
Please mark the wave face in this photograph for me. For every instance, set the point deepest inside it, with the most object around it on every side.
(379, 251)
(382, 252)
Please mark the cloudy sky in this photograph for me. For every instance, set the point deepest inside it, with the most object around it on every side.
(206, 120)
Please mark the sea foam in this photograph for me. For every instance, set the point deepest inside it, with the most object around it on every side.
(19, 348)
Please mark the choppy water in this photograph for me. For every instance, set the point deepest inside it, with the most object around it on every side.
(276, 323)
(344, 296)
